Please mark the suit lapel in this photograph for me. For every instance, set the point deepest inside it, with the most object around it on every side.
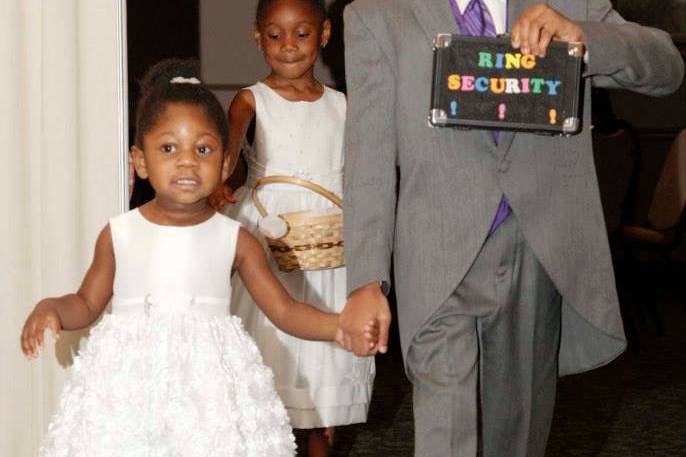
(515, 8)
(435, 16)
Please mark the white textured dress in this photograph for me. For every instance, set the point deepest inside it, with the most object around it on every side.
(169, 373)
(320, 384)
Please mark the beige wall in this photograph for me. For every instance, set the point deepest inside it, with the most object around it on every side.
(63, 136)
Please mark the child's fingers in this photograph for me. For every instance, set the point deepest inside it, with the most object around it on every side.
(24, 341)
(345, 342)
(371, 332)
(228, 195)
(372, 325)
(384, 323)
(40, 335)
(55, 327)
(216, 202)
(29, 341)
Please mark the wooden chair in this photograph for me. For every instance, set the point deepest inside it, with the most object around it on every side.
(618, 161)
(661, 234)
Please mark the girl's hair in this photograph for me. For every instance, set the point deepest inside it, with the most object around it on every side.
(317, 5)
(157, 91)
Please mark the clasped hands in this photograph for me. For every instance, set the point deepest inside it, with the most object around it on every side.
(364, 322)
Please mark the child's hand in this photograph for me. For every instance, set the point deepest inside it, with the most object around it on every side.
(221, 196)
(370, 335)
(42, 317)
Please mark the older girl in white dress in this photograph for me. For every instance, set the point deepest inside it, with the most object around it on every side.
(299, 132)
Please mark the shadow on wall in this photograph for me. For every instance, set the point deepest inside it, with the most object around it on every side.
(333, 54)
(146, 48)
(668, 15)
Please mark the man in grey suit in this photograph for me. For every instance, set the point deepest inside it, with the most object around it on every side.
(502, 268)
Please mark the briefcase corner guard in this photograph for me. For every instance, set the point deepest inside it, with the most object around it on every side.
(437, 117)
(570, 125)
(575, 49)
(442, 40)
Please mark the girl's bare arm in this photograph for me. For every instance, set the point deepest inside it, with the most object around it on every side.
(241, 113)
(74, 311)
(298, 319)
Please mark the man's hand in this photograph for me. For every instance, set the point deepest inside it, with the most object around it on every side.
(538, 25)
(365, 305)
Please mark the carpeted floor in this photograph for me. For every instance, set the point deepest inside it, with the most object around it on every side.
(634, 407)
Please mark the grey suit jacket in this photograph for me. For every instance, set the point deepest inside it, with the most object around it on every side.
(434, 214)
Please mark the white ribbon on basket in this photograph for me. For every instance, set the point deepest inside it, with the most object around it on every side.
(272, 226)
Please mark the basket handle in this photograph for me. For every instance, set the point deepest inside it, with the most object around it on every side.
(295, 181)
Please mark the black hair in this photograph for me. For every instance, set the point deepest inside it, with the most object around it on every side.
(157, 91)
(318, 6)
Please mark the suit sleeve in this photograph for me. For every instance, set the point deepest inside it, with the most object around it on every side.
(629, 56)
(370, 157)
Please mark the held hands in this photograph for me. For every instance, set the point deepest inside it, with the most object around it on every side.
(365, 314)
(367, 340)
(221, 196)
(538, 25)
(42, 317)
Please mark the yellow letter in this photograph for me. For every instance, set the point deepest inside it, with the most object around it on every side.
(454, 82)
(497, 85)
(528, 61)
(512, 60)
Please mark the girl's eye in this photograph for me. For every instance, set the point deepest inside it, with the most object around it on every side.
(273, 36)
(204, 150)
(168, 148)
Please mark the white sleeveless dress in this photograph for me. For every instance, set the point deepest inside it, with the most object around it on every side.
(169, 373)
(320, 384)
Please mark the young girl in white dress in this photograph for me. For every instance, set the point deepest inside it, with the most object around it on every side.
(168, 373)
(299, 126)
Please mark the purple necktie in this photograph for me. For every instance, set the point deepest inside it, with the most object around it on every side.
(477, 21)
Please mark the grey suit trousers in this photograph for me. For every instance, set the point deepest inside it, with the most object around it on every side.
(484, 365)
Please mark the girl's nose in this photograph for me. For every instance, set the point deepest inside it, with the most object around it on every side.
(289, 44)
(187, 158)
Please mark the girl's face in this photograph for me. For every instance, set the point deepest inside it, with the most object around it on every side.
(290, 35)
(182, 156)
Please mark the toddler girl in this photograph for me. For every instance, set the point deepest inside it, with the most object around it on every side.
(298, 132)
(168, 373)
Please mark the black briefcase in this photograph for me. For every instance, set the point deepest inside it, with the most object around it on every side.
(484, 83)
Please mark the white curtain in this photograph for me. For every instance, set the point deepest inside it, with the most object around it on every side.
(62, 144)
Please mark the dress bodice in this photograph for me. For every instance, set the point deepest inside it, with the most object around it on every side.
(303, 139)
(172, 267)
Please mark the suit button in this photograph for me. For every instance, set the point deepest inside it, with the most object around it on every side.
(504, 166)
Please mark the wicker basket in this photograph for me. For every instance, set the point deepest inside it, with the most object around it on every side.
(313, 241)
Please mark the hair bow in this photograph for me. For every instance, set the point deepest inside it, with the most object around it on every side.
(182, 80)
